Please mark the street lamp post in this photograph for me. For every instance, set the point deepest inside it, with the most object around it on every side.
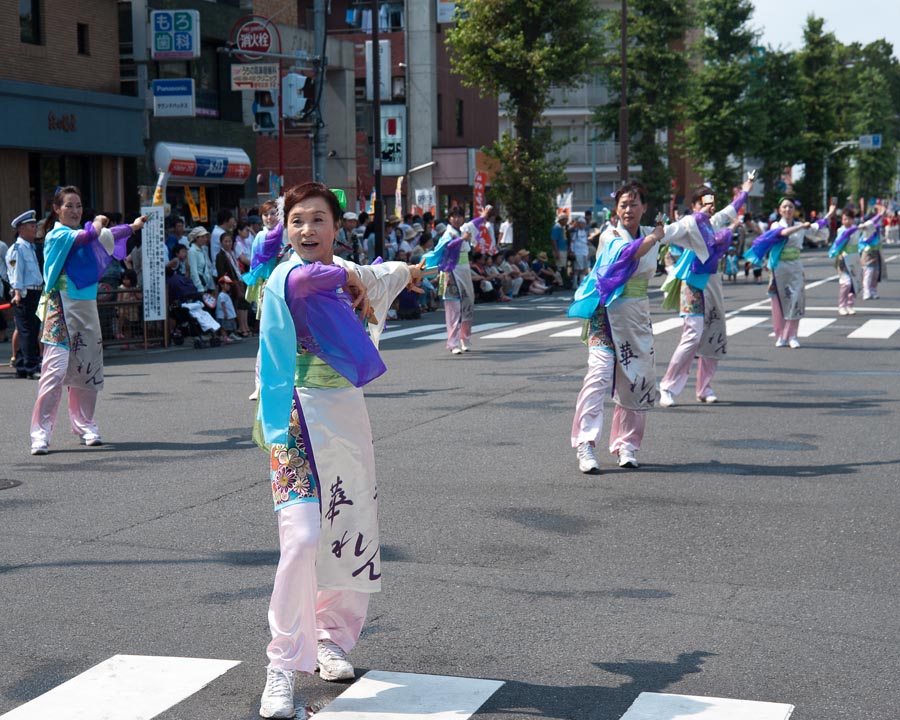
(623, 99)
(378, 203)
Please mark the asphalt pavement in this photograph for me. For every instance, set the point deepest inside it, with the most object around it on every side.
(753, 555)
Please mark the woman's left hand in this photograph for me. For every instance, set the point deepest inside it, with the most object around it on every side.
(359, 295)
(416, 273)
(138, 223)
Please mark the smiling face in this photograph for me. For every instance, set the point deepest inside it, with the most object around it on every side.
(312, 228)
(847, 220)
(630, 210)
(70, 210)
(787, 210)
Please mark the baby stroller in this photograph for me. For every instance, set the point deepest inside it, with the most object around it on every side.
(190, 311)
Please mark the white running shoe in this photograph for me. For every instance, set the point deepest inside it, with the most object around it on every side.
(587, 461)
(843, 311)
(794, 343)
(333, 662)
(781, 342)
(666, 398)
(627, 458)
(456, 351)
(708, 398)
(91, 439)
(254, 395)
(463, 346)
(278, 695)
(851, 311)
(39, 448)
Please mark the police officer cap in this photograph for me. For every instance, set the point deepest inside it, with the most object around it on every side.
(29, 216)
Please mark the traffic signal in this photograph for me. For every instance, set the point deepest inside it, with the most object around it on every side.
(298, 96)
(265, 112)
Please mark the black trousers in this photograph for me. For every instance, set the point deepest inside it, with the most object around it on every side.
(28, 357)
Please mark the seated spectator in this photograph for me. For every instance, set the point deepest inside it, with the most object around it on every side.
(179, 262)
(485, 290)
(513, 276)
(535, 285)
(545, 273)
(500, 279)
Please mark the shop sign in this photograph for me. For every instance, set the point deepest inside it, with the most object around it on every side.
(255, 76)
(175, 34)
(253, 35)
(173, 97)
(393, 139)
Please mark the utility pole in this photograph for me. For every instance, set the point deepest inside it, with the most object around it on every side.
(378, 204)
(623, 99)
(320, 134)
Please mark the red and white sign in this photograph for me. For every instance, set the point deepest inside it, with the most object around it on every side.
(480, 182)
(253, 35)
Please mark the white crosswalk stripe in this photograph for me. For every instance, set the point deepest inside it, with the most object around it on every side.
(124, 687)
(665, 325)
(810, 326)
(663, 706)
(388, 334)
(485, 327)
(876, 330)
(528, 329)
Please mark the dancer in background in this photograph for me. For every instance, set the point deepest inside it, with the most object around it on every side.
(697, 288)
(74, 261)
(845, 251)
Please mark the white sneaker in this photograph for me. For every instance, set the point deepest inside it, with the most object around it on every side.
(91, 439)
(456, 351)
(781, 342)
(851, 311)
(39, 448)
(587, 461)
(627, 458)
(843, 311)
(708, 398)
(254, 395)
(463, 346)
(666, 398)
(333, 662)
(794, 343)
(278, 695)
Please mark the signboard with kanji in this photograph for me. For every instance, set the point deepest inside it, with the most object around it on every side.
(173, 97)
(175, 34)
(255, 76)
(154, 256)
(393, 139)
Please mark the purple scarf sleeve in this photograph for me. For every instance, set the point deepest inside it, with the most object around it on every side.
(615, 274)
(716, 244)
(841, 240)
(268, 248)
(88, 259)
(763, 244)
(450, 258)
(326, 324)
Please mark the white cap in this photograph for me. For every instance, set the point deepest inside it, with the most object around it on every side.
(29, 216)
(350, 216)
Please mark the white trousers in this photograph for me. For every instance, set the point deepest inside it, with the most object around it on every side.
(82, 402)
(299, 613)
(628, 426)
(679, 369)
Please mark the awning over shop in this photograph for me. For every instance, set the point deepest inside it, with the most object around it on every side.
(202, 164)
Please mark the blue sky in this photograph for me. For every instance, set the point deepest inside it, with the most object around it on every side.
(861, 21)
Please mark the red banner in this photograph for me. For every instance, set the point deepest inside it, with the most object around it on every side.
(480, 182)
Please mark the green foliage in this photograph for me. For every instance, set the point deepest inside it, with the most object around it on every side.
(523, 48)
(657, 74)
(718, 107)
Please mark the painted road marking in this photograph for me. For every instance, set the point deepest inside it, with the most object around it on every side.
(484, 327)
(124, 687)
(528, 329)
(574, 332)
(668, 324)
(662, 706)
(875, 330)
(388, 334)
(737, 324)
(378, 695)
(810, 326)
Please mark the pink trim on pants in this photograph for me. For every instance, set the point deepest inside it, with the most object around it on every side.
(628, 426)
(457, 331)
(784, 329)
(82, 402)
(299, 613)
(679, 369)
(846, 296)
(870, 282)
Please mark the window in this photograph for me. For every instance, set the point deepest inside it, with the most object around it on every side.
(30, 21)
(459, 118)
(83, 45)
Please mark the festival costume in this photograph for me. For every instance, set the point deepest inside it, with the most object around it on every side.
(702, 302)
(845, 252)
(787, 285)
(872, 261)
(74, 261)
(613, 301)
(315, 358)
(451, 257)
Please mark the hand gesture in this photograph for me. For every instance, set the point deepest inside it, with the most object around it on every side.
(748, 183)
(359, 296)
(138, 223)
(416, 273)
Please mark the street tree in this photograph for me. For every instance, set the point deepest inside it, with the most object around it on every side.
(657, 72)
(718, 107)
(518, 51)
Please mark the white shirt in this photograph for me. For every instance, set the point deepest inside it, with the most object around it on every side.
(506, 233)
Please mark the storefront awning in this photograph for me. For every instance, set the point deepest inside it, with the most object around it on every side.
(202, 164)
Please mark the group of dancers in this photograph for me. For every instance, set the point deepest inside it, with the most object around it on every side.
(614, 304)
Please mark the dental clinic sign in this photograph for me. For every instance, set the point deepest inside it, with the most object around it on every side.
(175, 34)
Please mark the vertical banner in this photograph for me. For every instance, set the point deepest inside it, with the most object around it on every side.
(370, 208)
(159, 195)
(480, 182)
(154, 255)
(398, 198)
(204, 210)
(192, 206)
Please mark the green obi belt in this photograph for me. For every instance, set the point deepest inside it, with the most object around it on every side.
(790, 253)
(313, 372)
(851, 249)
(635, 288)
